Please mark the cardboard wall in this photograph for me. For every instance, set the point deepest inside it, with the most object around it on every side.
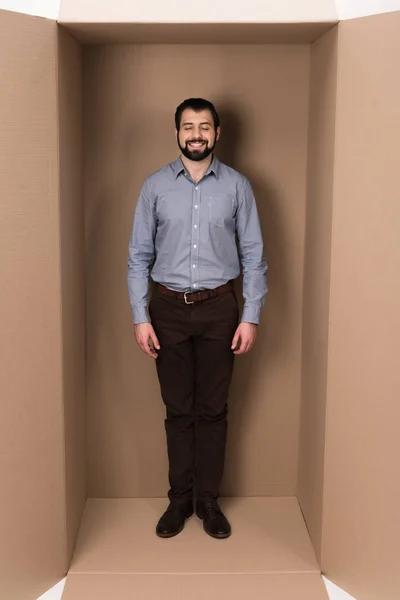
(130, 96)
(32, 492)
(72, 276)
(262, 94)
(361, 524)
(198, 33)
(317, 263)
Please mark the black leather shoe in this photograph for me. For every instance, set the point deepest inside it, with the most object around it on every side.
(173, 520)
(214, 521)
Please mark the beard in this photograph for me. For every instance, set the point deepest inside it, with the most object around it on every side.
(197, 154)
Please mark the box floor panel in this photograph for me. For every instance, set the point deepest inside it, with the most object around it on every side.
(268, 536)
(285, 586)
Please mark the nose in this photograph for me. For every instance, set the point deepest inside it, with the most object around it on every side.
(197, 133)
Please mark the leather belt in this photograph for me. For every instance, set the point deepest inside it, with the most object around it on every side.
(191, 297)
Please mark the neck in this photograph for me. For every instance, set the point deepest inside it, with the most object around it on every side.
(197, 169)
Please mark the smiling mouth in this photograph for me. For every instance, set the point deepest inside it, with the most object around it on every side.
(196, 145)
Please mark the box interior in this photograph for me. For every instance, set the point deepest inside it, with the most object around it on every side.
(91, 121)
(262, 95)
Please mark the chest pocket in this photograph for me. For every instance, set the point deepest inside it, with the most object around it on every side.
(221, 209)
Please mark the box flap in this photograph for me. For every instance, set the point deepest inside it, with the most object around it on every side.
(282, 586)
(361, 525)
(198, 33)
(32, 492)
(268, 556)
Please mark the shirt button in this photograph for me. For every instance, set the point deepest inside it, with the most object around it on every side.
(194, 266)
(196, 188)
(195, 285)
(195, 246)
(195, 226)
(196, 206)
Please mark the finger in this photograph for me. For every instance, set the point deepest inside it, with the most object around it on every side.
(243, 347)
(147, 350)
(250, 344)
(150, 351)
(235, 341)
(240, 350)
(155, 340)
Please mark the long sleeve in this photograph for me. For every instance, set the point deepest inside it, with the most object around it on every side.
(141, 255)
(251, 253)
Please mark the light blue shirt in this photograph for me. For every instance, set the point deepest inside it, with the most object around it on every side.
(191, 236)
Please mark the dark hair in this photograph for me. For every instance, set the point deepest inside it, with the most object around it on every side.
(196, 104)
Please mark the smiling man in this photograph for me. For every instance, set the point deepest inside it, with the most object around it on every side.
(195, 225)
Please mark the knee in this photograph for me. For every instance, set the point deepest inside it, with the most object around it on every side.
(212, 414)
(181, 414)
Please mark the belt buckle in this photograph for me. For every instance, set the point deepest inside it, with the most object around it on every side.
(186, 300)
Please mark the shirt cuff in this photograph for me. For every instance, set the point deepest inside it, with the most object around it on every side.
(140, 315)
(251, 314)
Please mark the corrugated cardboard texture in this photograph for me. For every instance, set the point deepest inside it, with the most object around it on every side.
(316, 280)
(304, 586)
(362, 475)
(181, 11)
(32, 492)
(72, 276)
(268, 536)
(131, 93)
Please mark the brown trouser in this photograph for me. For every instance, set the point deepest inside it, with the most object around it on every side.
(194, 368)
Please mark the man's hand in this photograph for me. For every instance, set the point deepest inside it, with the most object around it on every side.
(245, 334)
(145, 332)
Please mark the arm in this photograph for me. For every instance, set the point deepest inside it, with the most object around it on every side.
(141, 255)
(251, 255)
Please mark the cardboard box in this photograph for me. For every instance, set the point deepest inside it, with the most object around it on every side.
(310, 113)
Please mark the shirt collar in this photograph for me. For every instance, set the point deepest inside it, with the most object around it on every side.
(178, 167)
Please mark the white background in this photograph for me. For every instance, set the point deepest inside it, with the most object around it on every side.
(334, 592)
(346, 9)
(41, 8)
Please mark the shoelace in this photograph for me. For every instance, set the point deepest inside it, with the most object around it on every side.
(211, 509)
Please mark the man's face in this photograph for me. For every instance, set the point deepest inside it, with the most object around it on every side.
(197, 137)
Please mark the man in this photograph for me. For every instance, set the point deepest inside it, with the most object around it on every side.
(195, 223)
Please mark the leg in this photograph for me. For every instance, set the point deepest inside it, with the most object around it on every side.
(176, 376)
(214, 361)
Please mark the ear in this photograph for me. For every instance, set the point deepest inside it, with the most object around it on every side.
(218, 133)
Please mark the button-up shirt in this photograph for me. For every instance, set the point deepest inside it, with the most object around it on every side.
(192, 236)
